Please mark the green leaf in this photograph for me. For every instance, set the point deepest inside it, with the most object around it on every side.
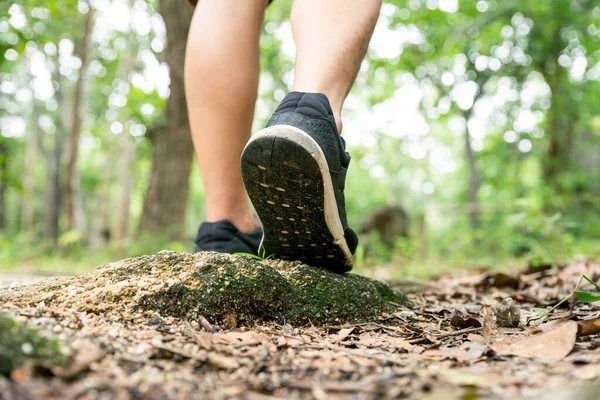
(587, 297)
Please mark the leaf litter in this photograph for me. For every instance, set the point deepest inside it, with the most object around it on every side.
(462, 337)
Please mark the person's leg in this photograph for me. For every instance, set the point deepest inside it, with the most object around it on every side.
(221, 80)
(295, 168)
(331, 40)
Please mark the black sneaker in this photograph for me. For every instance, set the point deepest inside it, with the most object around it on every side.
(223, 237)
(294, 171)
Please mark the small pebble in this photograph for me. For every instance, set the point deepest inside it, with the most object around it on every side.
(26, 348)
(15, 285)
(507, 314)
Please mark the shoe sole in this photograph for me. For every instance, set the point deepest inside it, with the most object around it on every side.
(287, 178)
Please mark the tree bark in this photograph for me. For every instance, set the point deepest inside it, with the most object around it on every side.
(563, 114)
(560, 129)
(474, 177)
(53, 194)
(3, 168)
(166, 198)
(72, 186)
(126, 181)
(31, 156)
(126, 157)
(53, 157)
(101, 235)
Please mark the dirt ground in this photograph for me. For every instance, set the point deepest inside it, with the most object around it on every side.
(463, 337)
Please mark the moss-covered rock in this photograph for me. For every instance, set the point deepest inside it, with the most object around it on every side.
(19, 343)
(227, 290)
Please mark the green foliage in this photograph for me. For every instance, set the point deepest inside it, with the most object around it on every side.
(262, 256)
(587, 297)
(584, 297)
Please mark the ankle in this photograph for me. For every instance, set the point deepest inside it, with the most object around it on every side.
(243, 220)
(338, 120)
(245, 223)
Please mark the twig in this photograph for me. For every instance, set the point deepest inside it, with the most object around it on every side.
(457, 333)
(197, 338)
(206, 325)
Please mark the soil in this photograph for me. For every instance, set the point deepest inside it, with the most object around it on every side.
(444, 343)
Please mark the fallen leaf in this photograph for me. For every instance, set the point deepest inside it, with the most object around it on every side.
(554, 344)
(588, 327)
(341, 335)
(443, 353)
(222, 362)
(19, 375)
(465, 321)
(498, 280)
(399, 343)
(472, 378)
(474, 337)
(545, 327)
(87, 352)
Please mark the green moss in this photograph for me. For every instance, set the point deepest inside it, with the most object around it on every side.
(235, 292)
(321, 296)
(19, 343)
(238, 290)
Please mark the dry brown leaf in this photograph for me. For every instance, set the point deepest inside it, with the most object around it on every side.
(465, 321)
(400, 343)
(289, 341)
(87, 352)
(588, 327)
(203, 339)
(498, 280)
(341, 335)
(443, 353)
(554, 344)
(548, 326)
(222, 362)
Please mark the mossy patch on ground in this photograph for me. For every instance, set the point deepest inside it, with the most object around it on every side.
(19, 343)
(239, 290)
(227, 290)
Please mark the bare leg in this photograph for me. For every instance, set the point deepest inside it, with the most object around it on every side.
(331, 40)
(221, 80)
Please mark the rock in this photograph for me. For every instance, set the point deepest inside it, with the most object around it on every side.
(389, 222)
(507, 314)
(225, 289)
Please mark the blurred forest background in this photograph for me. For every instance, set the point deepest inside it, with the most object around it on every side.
(474, 127)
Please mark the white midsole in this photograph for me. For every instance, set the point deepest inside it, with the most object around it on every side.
(332, 216)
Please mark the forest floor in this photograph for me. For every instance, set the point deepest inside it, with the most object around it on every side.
(463, 337)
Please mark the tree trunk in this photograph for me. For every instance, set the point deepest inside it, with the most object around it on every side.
(474, 177)
(101, 234)
(3, 168)
(126, 180)
(53, 193)
(563, 114)
(560, 128)
(166, 198)
(126, 156)
(72, 186)
(31, 156)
